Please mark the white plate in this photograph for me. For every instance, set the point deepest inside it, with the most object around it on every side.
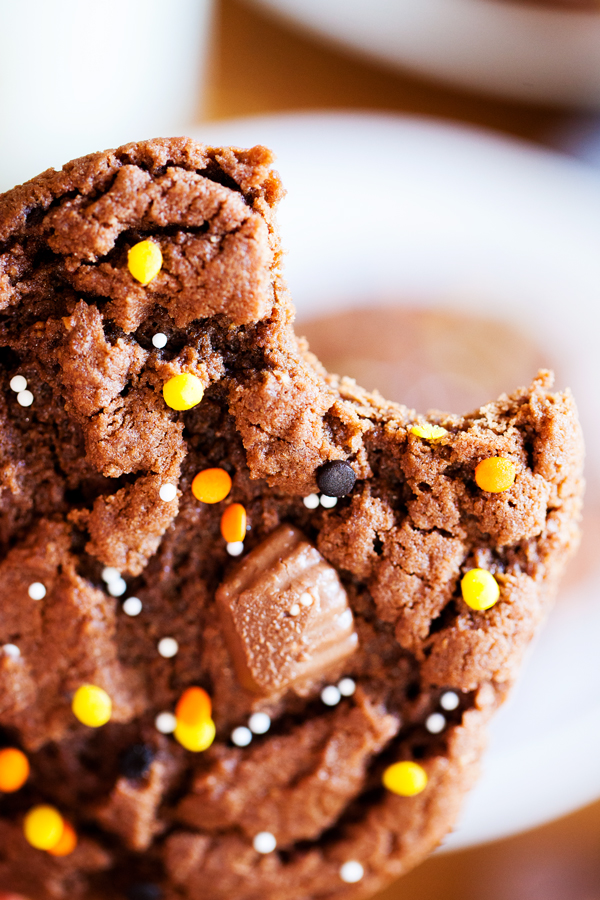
(512, 49)
(384, 207)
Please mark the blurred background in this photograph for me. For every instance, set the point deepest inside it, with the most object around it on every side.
(443, 227)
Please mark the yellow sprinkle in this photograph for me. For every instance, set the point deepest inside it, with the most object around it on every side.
(495, 474)
(195, 737)
(92, 705)
(428, 432)
(405, 778)
(43, 827)
(183, 391)
(479, 589)
(144, 261)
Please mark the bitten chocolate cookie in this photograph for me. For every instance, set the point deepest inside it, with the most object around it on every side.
(253, 620)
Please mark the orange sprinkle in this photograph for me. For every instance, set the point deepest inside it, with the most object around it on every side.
(233, 523)
(14, 770)
(193, 707)
(495, 474)
(211, 485)
(67, 842)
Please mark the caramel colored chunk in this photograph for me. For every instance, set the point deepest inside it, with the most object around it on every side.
(285, 614)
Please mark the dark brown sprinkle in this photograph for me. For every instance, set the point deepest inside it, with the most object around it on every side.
(145, 891)
(336, 479)
(136, 760)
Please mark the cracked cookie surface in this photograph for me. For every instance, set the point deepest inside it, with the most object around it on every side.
(83, 470)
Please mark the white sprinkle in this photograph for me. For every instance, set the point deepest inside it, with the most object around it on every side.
(435, 723)
(351, 872)
(159, 340)
(12, 650)
(306, 599)
(241, 736)
(168, 647)
(117, 587)
(449, 700)
(345, 620)
(259, 723)
(328, 502)
(166, 723)
(346, 687)
(24, 398)
(312, 501)
(18, 384)
(167, 492)
(132, 606)
(36, 591)
(264, 842)
(235, 548)
(109, 573)
(295, 610)
(330, 695)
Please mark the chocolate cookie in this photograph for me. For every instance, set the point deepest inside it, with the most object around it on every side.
(253, 618)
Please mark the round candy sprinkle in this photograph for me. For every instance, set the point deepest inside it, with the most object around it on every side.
(233, 523)
(241, 736)
(346, 687)
(435, 723)
(165, 722)
(167, 492)
(211, 485)
(159, 340)
(330, 695)
(132, 606)
(109, 573)
(193, 707)
(144, 891)
(449, 701)
(495, 474)
(11, 650)
(405, 778)
(66, 843)
(328, 502)
(36, 590)
(259, 723)
(144, 261)
(479, 589)
(24, 398)
(235, 548)
(336, 479)
(117, 587)
(18, 383)
(14, 770)
(264, 842)
(351, 871)
(135, 761)
(294, 609)
(428, 432)
(92, 705)
(306, 599)
(168, 647)
(43, 827)
(312, 501)
(183, 391)
(195, 737)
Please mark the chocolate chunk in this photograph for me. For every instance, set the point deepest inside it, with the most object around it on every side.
(336, 479)
(136, 760)
(285, 614)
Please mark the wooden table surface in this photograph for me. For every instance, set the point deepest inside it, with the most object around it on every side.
(259, 66)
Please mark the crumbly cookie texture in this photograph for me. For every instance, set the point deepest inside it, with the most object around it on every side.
(330, 636)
